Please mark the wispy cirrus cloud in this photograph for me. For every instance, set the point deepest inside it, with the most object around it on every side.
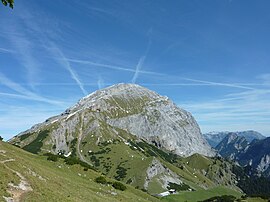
(265, 78)
(5, 50)
(24, 49)
(23, 92)
(236, 111)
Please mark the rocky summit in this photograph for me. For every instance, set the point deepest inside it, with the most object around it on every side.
(129, 108)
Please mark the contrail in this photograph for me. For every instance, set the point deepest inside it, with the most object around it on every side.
(140, 62)
(107, 66)
(219, 84)
(138, 67)
(65, 63)
(100, 83)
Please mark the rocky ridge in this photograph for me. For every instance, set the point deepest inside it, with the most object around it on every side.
(131, 108)
(214, 138)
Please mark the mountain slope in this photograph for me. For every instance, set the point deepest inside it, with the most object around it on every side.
(255, 155)
(29, 177)
(258, 157)
(231, 146)
(214, 138)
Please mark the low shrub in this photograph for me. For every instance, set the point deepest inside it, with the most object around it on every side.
(52, 157)
(119, 186)
(101, 180)
(72, 161)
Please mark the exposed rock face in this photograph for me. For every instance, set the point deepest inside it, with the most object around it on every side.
(258, 156)
(132, 108)
(255, 154)
(165, 175)
(231, 146)
(214, 138)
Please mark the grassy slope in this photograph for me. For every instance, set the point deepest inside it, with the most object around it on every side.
(58, 182)
(107, 157)
(201, 195)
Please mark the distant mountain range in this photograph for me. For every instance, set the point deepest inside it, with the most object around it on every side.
(253, 154)
(214, 138)
(231, 146)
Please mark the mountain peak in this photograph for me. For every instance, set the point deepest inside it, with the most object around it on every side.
(134, 110)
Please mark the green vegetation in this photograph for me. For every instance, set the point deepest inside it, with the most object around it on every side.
(73, 146)
(119, 186)
(25, 136)
(74, 160)
(125, 158)
(151, 150)
(200, 195)
(57, 181)
(121, 172)
(133, 106)
(177, 187)
(36, 144)
(10, 3)
(115, 184)
(224, 198)
(101, 180)
(52, 157)
(1, 138)
(253, 186)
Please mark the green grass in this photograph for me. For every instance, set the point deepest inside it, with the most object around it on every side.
(56, 181)
(201, 195)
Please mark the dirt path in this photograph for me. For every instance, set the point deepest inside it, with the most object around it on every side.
(16, 191)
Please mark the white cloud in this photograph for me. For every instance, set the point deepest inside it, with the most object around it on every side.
(24, 93)
(238, 111)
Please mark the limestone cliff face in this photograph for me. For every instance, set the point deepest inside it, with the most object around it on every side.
(130, 108)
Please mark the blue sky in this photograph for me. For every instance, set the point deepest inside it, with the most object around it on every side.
(210, 57)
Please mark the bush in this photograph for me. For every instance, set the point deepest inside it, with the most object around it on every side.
(52, 157)
(1, 138)
(72, 161)
(129, 181)
(101, 180)
(119, 186)
(178, 187)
